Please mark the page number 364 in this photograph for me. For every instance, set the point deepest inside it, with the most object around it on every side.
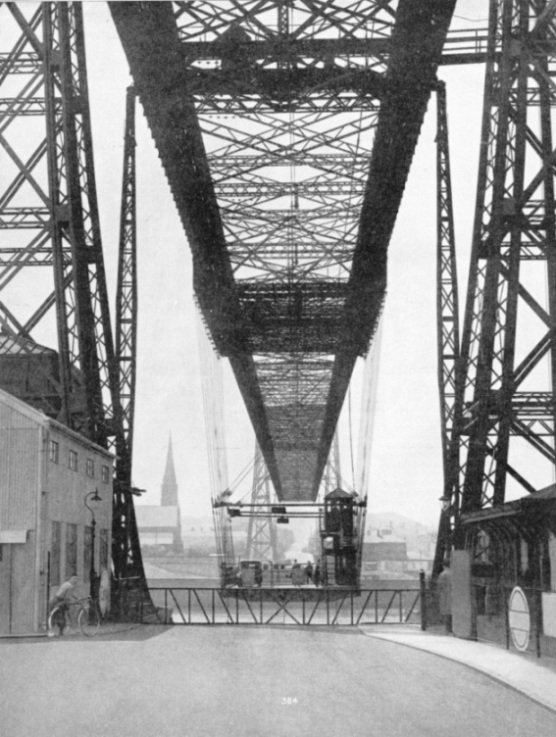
(289, 700)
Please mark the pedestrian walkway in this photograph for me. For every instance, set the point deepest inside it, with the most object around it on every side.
(536, 678)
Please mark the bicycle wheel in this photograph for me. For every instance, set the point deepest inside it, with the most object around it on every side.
(56, 620)
(89, 620)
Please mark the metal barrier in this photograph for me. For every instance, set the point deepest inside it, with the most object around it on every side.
(290, 606)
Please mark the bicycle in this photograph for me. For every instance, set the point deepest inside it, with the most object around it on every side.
(88, 617)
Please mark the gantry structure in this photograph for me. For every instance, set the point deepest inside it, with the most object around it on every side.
(286, 129)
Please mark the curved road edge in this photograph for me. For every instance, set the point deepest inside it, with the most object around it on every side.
(536, 680)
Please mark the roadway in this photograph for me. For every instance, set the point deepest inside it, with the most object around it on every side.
(265, 682)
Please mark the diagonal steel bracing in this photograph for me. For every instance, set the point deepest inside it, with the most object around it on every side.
(505, 402)
(264, 114)
(49, 219)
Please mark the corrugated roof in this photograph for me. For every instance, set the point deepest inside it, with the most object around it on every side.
(156, 516)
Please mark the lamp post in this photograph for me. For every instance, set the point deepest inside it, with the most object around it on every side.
(93, 497)
(445, 501)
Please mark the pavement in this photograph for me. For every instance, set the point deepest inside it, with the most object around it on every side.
(533, 677)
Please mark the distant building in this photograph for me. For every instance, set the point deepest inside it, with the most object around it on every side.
(160, 525)
(46, 472)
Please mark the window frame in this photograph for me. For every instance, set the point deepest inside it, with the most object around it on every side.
(73, 460)
(54, 451)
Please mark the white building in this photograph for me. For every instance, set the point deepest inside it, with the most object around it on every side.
(46, 535)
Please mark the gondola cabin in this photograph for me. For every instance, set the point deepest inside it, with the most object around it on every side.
(339, 538)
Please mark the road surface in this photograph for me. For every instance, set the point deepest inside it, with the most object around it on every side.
(251, 682)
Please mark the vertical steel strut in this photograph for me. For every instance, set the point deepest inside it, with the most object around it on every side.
(126, 550)
(126, 295)
(261, 532)
(446, 314)
(505, 384)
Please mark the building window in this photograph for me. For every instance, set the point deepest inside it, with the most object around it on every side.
(105, 474)
(73, 460)
(71, 550)
(90, 468)
(54, 451)
(87, 552)
(55, 553)
(103, 550)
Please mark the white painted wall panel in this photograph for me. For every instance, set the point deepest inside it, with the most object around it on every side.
(19, 449)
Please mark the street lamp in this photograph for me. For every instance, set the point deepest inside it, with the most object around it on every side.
(94, 497)
(445, 500)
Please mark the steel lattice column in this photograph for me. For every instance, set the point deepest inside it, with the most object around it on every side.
(126, 550)
(49, 218)
(504, 417)
(261, 533)
(446, 313)
(126, 296)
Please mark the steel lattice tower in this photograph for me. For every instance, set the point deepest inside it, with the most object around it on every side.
(51, 249)
(506, 378)
(261, 532)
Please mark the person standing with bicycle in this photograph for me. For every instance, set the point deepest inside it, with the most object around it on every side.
(64, 596)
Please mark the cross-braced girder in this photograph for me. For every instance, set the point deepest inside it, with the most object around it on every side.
(49, 212)
(272, 114)
(506, 377)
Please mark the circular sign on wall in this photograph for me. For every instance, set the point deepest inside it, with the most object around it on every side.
(519, 619)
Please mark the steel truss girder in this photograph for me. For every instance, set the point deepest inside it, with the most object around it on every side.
(251, 226)
(506, 374)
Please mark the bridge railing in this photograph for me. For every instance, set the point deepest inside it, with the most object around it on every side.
(288, 606)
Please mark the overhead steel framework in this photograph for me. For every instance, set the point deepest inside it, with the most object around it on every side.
(51, 250)
(504, 418)
(286, 131)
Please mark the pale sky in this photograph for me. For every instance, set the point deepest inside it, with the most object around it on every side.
(406, 469)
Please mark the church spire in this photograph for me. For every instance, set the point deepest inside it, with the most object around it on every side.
(169, 496)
